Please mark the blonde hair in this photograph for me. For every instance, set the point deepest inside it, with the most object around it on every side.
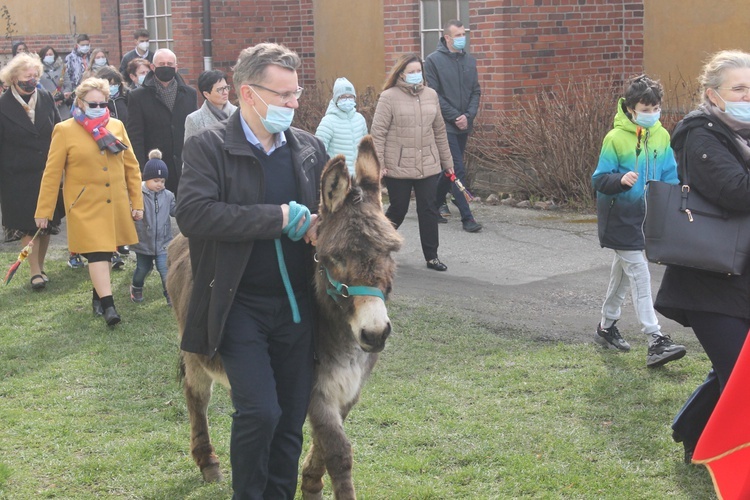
(712, 75)
(20, 62)
(90, 84)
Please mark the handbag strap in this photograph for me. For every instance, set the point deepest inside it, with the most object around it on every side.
(684, 181)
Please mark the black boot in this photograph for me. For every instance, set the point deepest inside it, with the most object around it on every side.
(96, 304)
(110, 313)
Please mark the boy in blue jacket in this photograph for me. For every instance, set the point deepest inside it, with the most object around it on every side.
(635, 151)
(155, 229)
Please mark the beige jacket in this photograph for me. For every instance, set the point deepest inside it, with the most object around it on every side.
(409, 132)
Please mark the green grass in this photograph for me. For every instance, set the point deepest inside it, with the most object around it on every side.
(454, 409)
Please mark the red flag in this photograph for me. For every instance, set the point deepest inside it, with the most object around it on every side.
(724, 445)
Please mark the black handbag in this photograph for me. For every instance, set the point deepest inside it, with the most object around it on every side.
(683, 228)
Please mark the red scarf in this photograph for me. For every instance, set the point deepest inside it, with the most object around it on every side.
(96, 127)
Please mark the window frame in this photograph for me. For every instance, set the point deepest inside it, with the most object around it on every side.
(157, 39)
(441, 22)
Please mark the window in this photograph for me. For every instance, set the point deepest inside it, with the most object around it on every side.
(158, 16)
(434, 14)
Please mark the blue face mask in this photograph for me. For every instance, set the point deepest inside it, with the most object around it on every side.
(737, 110)
(278, 118)
(459, 42)
(346, 104)
(647, 120)
(140, 79)
(413, 78)
(114, 90)
(95, 112)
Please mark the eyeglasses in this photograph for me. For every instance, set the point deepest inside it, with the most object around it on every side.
(739, 89)
(285, 97)
(96, 104)
(222, 90)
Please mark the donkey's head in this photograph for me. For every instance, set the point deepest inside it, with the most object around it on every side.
(354, 249)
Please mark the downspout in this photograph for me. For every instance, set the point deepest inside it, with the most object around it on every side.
(207, 41)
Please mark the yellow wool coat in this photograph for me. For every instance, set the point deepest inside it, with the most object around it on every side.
(99, 188)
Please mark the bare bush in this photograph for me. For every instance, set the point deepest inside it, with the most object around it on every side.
(549, 144)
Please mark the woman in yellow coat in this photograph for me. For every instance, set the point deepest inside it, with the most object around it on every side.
(91, 154)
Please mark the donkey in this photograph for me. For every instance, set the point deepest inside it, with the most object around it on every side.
(355, 243)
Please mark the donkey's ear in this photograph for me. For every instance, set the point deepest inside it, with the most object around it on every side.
(368, 167)
(334, 185)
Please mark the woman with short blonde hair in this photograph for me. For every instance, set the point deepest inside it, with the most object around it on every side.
(27, 116)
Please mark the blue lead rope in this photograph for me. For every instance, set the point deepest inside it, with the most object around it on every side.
(297, 212)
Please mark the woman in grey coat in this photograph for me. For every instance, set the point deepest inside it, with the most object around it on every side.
(216, 108)
(54, 79)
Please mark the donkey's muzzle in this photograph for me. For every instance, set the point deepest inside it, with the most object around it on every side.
(374, 341)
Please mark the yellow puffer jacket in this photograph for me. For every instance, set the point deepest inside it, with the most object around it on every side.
(409, 132)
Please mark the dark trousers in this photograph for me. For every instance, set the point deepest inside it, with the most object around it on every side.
(722, 337)
(399, 192)
(457, 143)
(269, 362)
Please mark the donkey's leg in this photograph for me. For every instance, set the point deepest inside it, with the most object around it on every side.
(313, 469)
(328, 428)
(197, 386)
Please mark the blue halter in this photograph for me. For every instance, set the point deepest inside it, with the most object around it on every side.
(338, 290)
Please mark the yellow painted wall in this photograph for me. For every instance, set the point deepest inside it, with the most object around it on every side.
(54, 17)
(349, 42)
(680, 34)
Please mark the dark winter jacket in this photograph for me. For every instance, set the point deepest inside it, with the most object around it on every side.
(155, 229)
(118, 106)
(454, 77)
(220, 210)
(23, 155)
(717, 171)
(620, 210)
(129, 56)
(151, 125)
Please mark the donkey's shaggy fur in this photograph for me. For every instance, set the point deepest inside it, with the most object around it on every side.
(355, 242)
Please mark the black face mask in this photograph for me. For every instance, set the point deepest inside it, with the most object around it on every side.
(165, 73)
(28, 86)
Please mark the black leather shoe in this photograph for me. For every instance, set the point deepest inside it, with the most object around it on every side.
(96, 305)
(472, 226)
(111, 316)
(436, 265)
(688, 445)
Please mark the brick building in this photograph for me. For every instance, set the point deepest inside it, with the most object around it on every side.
(521, 45)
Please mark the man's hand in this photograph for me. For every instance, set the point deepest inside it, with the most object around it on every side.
(629, 179)
(462, 122)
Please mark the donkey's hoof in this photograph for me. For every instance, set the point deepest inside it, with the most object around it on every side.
(212, 473)
(307, 495)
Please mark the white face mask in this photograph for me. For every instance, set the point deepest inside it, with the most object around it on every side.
(49, 59)
(143, 46)
(100, 61)
(84, 49)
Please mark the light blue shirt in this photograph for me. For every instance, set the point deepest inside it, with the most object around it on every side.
(279, 139)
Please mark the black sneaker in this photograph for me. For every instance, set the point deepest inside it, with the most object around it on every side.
(443, 210)
(471, 226)
(117, 262)
(662, 350)
(611, 338)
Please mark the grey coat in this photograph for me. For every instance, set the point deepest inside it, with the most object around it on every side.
(454, 77)
(155, 229)
(204, 118)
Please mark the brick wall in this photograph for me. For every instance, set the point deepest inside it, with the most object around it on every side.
(525, 46)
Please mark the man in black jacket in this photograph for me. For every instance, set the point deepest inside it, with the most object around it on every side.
(452, 72)
(157, 112)
(239, 180)
(141, 50)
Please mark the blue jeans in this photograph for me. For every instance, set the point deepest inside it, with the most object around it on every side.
(457, 143)
(144, 265)
(269, 362)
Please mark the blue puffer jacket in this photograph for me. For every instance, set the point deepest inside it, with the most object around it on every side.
(155, 229)
(339, 130)
(620, 209)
